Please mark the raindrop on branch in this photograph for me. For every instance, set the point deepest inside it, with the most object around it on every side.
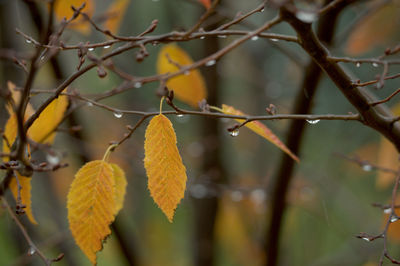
(28, 41)
(210, 63)
(367, 167)
(306, 16)
(31, 251)
(234, 133)
(254, 38)
(313, 121)
(274, 40)
(394, 219)
(202, 37)
(222, 36)
(53, 159)
(107, 46)
(358, 64)
(366, 239)
(180, 115)
(91, 49)
(375, 64)
(138, 84)
(387, 210)
(118, 114)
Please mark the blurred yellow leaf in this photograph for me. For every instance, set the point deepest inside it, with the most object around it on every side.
(120, 187)
(189, 87)
(165, 170)
(16, 96)
(375, 29)
(42, 130)
(10, 134)
(25, 193)
(115, 14)
(260, 129)
(206, 3)
(62, 9)
(91, 206)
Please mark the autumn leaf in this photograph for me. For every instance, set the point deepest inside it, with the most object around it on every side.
(62, 9)
(25, 193)
(115, 14)
(120, 187)
(10, 134)
(165, 170)
(16, 96)
(206, 3)
(91, 206)
(189, 87)
(260, 129)
(374, 29)
(42, 130)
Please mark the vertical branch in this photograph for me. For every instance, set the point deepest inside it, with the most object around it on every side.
(206, 208)
(302, 105)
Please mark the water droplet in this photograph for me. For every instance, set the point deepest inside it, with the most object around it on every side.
(306, 16)
(42, 58)
(202, 37)
(254, 38)
(367, 167)
(375, 64)
(312, 121)
(258, 196)
(180, 115)
(31, 251)
(118, 114)
(222, 36)
(52, 159)
(262, 10)
(138, 84)
(91, 49)
(89, 104)
(211, 62)
(198, 191)
(234, 133)
(187, 72)
(366, 239)
(28, 41)
(394, 219)
(358, 64)
(154, 43)
(107, 46)
(387, 210)
(236, 196)
(275, 40)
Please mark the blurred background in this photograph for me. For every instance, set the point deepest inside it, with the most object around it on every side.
(227, 208)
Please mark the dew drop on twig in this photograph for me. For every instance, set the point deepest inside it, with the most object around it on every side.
(387, 210)
(118, 114)
(31, 251)
(366, 239)
(375, 64)
(306, 16)
(312, 121)
(202, 37)
(210, 63)
(394, 219)
(274, 40)
(28, 41)
(91, 49)
(254, 38)
(52, 159)
(107, 46)
(222, 36)
(358, 64)
(138, 84)
(367, 167)
(234, 133)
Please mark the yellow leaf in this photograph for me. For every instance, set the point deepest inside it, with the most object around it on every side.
(25, 193)
(62, 9)
(120, 187)
(165, 170)
(42, 130)
(189, 88)
(16, 97)
(115, 12)
(260, 129)
(91, 206)
(10, 133)
(374, 30)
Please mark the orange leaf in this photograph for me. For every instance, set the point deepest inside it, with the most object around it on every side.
(16, 96)
(91, 206)
(42, 130)
(115, 14)
(189, 87)
(120, 187)
(260, 129)
(206, 3)
(62, 9)
(165, 170)
(25, 193)
(374, 30)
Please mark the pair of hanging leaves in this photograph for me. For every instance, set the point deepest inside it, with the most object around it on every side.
(41, 131)
(94, 199)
